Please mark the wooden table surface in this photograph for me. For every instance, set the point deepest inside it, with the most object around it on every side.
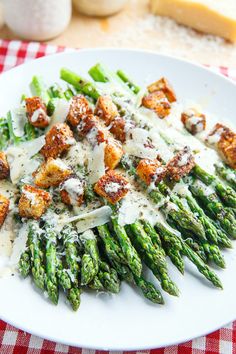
(135, 27)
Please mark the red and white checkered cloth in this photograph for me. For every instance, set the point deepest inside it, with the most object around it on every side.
(14, 341)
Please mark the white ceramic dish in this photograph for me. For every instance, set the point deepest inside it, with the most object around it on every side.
(126, 321)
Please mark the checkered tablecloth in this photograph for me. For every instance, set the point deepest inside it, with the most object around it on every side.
(14, 341)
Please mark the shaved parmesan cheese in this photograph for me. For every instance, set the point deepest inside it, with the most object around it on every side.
(87, 235)
(78, 154)
(19, 244)
(91, 219)
(60, 113)
(96, 165)
(18, 121)
(136, 205)
(18, 158)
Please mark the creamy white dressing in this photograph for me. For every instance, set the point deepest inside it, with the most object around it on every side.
(112, 187)
(96, 164)
(74, 188)
(37, 113)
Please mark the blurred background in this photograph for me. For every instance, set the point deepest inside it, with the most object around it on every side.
(107, 23)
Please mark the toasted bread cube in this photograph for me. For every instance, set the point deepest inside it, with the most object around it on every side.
(4, 166)
(112, 186)
(37, 112)
(164, 86)
(58, 140)
(113, 153)
(118, 129)
(151, 171)
(193, 121)
(225, 141)
(158, 102)
(91, 128)
(79, 109)
(181, 164)
(4, 208)
(106, 109)
(51, 173)
(33, 202)
(72, 191)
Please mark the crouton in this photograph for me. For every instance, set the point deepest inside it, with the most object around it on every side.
(181, 164)
(118, 129)
(79, 109)
(4, 166)
(193, 121)
(164, 86)
(158, 102)
(4, 208)
(112, 186)
(33, 202)
(91, 128)
(51, 173)
(72, 191)
(224, 139)
(37, 112)
(106, 109)
(113, 153)
(151, 171)
(58, 140)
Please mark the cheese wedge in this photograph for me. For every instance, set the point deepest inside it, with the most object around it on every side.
(216, 17)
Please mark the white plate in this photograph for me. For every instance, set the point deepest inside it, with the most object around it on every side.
(126, 321)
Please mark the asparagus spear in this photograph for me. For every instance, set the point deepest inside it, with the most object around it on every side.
(38, 88)
(62, 275)
(153, 234)
(90, 259)
(38, 271)
(51, 262)
(226, 193)
(214, 207)
(108, 277)
(193, 257)
(156, 263)
(128, 250)
(149, 290)
(74, 297)
(79, 83)
(4, 133)
(24, 265)
(122, 75)
(116, 258)
(69, 237)
(227, 173)
(96, 284)
(183, 218)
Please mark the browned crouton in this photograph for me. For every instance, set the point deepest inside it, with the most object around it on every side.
(151, 171)
(4, 167)
(58, 140)
(4, 208)
(164, 86)
(92, 129)
(181, 164)
(112, 186)
(79, 109)
(106, 109)
(33, 202)
(158, 102)
(194, 121)
(37, 112)
(118, 129)
(113, 153)
(72, 191)
(225, 141)
(51, 173)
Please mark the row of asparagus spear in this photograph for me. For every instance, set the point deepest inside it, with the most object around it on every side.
(205, 224)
